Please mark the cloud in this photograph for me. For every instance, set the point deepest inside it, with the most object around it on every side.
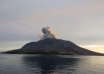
(16, 13)
(87, 40)
(94, 8)
(5, 37)
(48, 33)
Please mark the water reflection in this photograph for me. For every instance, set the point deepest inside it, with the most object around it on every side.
(47, 64)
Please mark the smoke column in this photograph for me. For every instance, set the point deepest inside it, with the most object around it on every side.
(47, 33)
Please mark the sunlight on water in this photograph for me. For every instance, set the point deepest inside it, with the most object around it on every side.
(50, 64)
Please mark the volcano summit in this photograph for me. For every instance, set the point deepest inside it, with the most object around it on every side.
(50, 44)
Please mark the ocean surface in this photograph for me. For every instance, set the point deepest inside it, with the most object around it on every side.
(50, 64)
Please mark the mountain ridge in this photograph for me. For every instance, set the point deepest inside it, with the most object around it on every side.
(54, 46)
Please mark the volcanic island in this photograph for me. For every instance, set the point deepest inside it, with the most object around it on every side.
(50, 44)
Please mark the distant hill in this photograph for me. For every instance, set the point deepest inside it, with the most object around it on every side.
(53, 46)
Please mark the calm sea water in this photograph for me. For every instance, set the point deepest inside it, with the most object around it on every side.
(50, 64)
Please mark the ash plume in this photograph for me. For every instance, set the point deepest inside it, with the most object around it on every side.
(47, 33)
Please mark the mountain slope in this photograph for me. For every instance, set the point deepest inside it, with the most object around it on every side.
(53, 46)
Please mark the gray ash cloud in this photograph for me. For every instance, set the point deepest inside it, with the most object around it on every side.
(47, 33)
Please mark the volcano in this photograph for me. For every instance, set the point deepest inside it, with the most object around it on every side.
(53, 46)
(50, 44)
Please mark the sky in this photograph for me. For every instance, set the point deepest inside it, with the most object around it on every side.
(79, 21)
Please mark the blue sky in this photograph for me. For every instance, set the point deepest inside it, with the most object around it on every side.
(79, 21)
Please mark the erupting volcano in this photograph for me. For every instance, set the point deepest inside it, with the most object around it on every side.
(50, 44)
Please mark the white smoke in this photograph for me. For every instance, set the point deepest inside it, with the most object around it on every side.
(47, 33)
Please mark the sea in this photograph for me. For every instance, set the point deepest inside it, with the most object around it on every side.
(50, 64)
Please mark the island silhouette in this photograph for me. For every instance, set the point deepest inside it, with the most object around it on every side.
(50, 44)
